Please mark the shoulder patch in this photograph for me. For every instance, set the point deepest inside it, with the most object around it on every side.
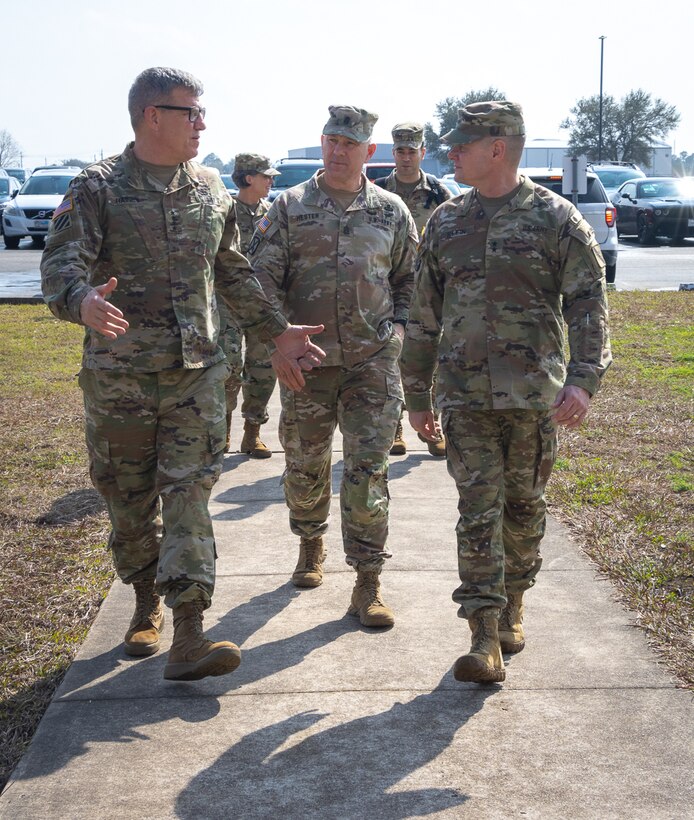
(580, 229)
(65, 206)
(263, 225)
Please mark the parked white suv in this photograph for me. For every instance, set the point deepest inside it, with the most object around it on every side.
(594, 205)
(30, 211)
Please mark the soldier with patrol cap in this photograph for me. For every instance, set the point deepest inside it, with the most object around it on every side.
(500, 269)
(343, 249)
(422, 193)
(252, 370)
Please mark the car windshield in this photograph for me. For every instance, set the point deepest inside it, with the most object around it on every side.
(46, 185)
(594, 192)
(666, 189)
(377, 171)
(4, 185)
(290, 176)
(613, 179)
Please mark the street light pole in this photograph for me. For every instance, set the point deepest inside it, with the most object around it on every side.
(602, 48)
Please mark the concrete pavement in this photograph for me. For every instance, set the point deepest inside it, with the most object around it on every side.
(327, 719)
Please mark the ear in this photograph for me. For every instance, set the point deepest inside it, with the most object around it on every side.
(498, 149)
(151, 117)
(371, 151)
(424, 152)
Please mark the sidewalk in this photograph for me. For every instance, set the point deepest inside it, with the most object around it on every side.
(327, 719)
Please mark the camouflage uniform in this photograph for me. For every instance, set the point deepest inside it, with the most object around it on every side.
(154, 397)
(421, 201)
(353, 272)
(490, 303)
(259, 378)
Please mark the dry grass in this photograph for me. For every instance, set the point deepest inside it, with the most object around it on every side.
(624, 484)
(54, 566)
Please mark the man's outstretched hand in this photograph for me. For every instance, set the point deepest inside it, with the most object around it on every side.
(99, 314)
(296, 352)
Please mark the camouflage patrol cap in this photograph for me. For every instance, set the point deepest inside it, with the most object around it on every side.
(408, 135)
(354, 123)
(499, 118)
(249, 163)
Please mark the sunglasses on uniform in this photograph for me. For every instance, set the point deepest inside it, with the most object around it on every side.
(194, 111)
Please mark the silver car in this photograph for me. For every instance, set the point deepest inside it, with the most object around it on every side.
(594, 205)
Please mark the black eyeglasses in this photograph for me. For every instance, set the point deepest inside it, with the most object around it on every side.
(194, 111)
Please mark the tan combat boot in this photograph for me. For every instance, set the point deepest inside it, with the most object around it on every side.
(511, 635)
(251, 443)
(309, 567)
(142, 637)
(192, 656)
(398, 448)
(436, 448)
(483, 663)
(367, 602)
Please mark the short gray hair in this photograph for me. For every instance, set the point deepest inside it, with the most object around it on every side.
(154, 85)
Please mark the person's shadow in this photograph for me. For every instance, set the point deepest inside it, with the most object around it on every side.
(348, 770)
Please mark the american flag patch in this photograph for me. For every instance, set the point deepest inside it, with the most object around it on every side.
(263, 225)
(65, 205)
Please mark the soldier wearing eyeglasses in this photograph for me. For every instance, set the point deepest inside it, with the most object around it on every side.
(135, 253)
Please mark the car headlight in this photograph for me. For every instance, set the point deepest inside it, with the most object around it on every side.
(661, 212)
(12, 209)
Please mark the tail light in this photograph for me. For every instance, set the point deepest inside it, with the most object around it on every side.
(610, 217)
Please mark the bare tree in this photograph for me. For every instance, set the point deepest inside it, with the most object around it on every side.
(10, 152)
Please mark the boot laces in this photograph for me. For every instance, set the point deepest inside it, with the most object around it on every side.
(511, 613)
(146, 601)
(313, 552)
(372, 588)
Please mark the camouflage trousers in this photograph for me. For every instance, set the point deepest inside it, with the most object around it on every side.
(365, 401)
(501, 462)
(256, 379)
(156, 448)
(230, 341)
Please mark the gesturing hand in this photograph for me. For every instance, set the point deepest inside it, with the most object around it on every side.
(296, 352)
(100, 315)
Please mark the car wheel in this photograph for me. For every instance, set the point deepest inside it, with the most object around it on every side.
(38, 241)
(610, 273)
(11, 242)
(646, 232)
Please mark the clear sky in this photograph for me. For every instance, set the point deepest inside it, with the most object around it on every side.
(271, 69)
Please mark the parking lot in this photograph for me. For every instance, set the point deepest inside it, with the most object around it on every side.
(662, 267)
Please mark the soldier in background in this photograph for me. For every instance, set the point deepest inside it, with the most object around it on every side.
(252, 370)
(499, 271)
(340, 247)
(422, 193)
(134, 253)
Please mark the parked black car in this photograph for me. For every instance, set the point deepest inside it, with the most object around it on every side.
(656, 206)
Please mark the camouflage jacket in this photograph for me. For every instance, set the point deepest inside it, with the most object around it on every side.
(421, 201)
(168, 247)
(351, 271)
(247, 218)
(492, 298)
